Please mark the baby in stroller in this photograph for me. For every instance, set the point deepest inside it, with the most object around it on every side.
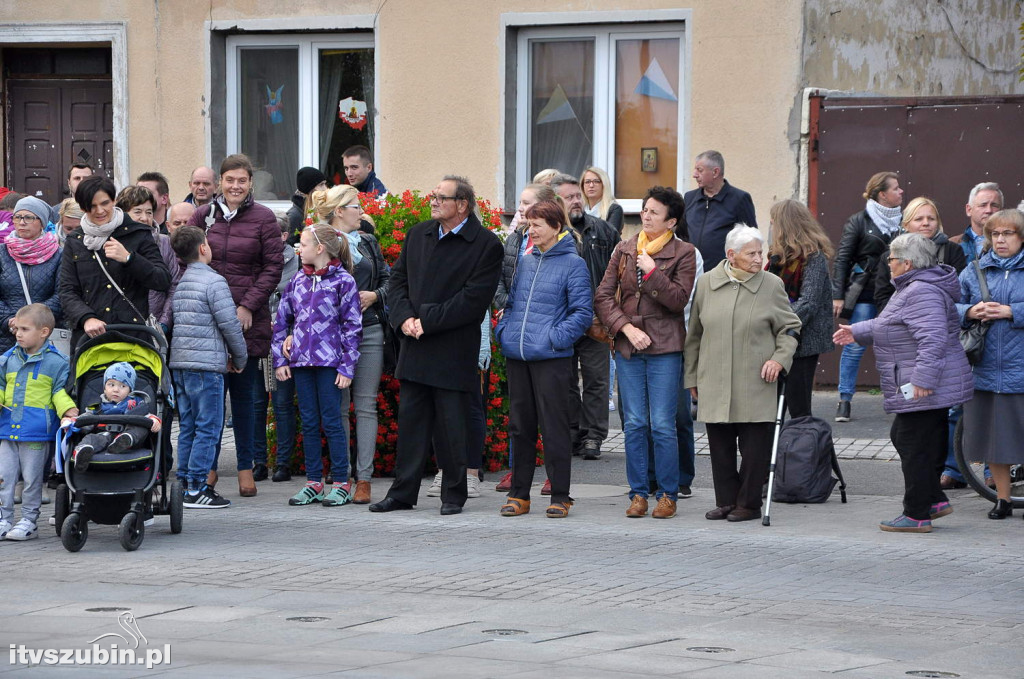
(119, 398)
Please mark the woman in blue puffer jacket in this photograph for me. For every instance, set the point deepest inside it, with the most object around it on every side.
(549, 307)
(993, 422)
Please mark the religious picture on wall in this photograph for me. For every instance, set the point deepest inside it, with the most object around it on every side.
(649, 159)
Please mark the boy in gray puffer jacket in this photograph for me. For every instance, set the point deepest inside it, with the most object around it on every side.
(206, 331)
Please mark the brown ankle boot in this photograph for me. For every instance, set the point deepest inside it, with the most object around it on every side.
(362, 496)
(666, 509)
(637, 508)
(246, 485)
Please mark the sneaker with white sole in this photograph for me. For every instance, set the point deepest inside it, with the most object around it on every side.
(52, 521)
(23, 530)
(5, 528)
(435, 487)
(205, 498)
(472, 485)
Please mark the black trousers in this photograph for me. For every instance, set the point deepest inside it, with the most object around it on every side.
(800, 385)
(536, 391)
(428, 414)
(921, 438)
(588, 413)
(742, 487)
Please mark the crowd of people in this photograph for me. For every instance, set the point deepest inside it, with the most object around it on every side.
(303, 313)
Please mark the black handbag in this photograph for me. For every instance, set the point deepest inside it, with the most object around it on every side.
(972, 338)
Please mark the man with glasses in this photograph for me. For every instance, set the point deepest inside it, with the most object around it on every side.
(440, 288)
(588, 412)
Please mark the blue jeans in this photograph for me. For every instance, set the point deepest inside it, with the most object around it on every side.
(242, 388)
(649, 387)
(320, 405)
(201, 412)
(260, 402)
(684, 437)
(284, 415)
(849, 362)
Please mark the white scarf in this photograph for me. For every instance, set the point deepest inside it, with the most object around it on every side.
(885, 218)
(96, 236)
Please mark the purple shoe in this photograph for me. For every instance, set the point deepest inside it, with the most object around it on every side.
(940, 509)
(905, 524)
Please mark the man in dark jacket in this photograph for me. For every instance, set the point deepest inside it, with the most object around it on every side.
(441, 286)
(714, 207)
(358, 163)
(985, 200)
(588, 413)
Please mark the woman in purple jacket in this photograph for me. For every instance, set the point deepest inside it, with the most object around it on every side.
(923, 370)
(317, 332)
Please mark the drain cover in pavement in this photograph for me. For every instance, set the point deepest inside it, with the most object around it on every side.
(710, 649)
(107, 609)
(307, 618)
(505, 632)
(933, 673)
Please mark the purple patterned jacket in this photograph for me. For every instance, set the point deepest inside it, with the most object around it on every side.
(323, 315)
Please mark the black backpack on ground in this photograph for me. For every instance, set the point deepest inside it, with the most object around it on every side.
(806, 460)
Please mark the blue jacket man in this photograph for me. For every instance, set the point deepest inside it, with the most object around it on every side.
(714, 207)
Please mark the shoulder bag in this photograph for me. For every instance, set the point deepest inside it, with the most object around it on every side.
(972, 338)
(61, 337)
(151, 320)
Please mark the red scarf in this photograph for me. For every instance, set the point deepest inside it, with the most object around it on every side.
(791, 274)
(35, 251)
(310, 271)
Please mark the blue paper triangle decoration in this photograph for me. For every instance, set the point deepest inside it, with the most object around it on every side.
(655, 84)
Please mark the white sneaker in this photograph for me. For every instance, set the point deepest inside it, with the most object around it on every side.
(472, 485)
(24, 530)
(5, 528)
(435, 487)
(52, 521)
(611, 404)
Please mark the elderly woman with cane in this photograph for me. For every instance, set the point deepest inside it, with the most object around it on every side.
(743, 335)
(923, 370)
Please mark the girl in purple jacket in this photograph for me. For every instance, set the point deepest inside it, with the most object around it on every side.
(316, 340)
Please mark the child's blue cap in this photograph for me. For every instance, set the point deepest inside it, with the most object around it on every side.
(123, 373)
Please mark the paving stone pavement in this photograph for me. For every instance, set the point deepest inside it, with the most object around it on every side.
(264, 589)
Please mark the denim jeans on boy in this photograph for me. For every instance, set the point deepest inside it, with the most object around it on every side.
(649, 387)
(320, 405)
(849, 362)
(201, 412)
(242, 390)
(284, 416)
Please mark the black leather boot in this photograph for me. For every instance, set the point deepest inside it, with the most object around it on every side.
(1003, 509)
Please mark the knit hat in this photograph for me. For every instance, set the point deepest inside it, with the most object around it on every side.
(36, 207)
(307, 179)
(123, 373)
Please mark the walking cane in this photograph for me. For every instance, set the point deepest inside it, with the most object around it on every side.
(766, 521)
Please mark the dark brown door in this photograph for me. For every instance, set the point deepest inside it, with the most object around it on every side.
(52, 123)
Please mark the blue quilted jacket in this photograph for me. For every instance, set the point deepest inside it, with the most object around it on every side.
(42, 283)
(917, 340)
(1002, 364)
(550, 306)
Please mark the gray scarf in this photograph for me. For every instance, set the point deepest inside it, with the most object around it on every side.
(885, 218)
(96, 236)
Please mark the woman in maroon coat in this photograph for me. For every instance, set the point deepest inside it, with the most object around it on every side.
(246, 243)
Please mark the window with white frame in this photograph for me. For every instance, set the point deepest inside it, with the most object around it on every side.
(297, 100)
(610, 96)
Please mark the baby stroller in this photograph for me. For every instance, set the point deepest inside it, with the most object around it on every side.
(126, 488)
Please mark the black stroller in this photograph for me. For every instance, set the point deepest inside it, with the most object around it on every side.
(120, 489)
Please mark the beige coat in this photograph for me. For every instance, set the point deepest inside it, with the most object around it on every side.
(734, 329)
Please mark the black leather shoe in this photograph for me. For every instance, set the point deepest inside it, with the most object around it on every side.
(1003, 509)
(281, 474)
(447, 509)
(389, 504)
(259, 472)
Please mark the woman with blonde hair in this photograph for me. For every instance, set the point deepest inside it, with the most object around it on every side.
(598, 199)
(798, 254)
(70, 218)
(339, 208)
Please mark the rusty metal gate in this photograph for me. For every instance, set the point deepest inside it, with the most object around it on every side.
(940, 146)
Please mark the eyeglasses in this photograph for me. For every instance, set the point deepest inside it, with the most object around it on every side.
(355, 206)
(25, 219)
(438, 198)
(591, 182)
(892, 259)
(995, 234)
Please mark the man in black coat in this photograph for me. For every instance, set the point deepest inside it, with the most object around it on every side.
(440, 288)
(714, 208)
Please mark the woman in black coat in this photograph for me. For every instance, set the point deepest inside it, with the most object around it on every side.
(107, 239)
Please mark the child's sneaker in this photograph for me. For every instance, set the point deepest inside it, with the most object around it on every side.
(338, 496)
(310, 493)
(24, 530)
(5, 528)
(82, 456)
(121, 443)
(207, 498)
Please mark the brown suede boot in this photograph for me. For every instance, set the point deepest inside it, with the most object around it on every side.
(246, 485)
(362, 495)
(666, 509)
(637, 508)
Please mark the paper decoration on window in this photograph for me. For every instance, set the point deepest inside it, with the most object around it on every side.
(655, 84)
(275, 109)
(557, 109)
(352, 112)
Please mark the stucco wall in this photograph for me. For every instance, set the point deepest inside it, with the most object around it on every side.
(440, 81)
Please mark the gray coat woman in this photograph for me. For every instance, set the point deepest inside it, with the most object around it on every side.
(742, 335)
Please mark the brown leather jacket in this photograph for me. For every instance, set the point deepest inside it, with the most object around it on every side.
(655, 305)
